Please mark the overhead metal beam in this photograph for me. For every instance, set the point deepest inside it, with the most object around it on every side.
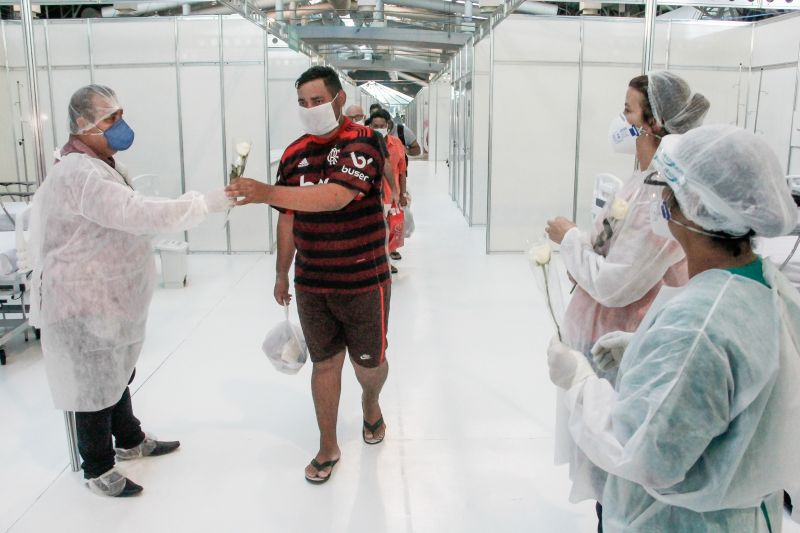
(403, 65)
(248, 10)
(767, 5)
(326, 35)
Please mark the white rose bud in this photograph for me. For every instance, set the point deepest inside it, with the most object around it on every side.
(243, 149)
(619, 209)
(540, 255)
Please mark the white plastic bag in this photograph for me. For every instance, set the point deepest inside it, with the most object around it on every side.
(409, 221)
(285, 346)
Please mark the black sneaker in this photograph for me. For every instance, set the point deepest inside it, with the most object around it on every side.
(163, 447)
(113, 484)
(131, 489)
(393, 269)
(396, 256)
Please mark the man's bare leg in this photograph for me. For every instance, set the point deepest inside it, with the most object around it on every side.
(326, 387)
(372, 380)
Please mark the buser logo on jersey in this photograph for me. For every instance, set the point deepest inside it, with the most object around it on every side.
(355, 173)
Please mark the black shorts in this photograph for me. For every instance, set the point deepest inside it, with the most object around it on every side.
(357, 322)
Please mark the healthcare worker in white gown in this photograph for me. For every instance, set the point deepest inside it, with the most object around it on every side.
(700, 432)
(621, 265)
(93, 277)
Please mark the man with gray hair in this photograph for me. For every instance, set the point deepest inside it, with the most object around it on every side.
(356, 114)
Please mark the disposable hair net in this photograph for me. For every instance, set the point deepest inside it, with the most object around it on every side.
(728, 180)
(672, 102)
(93, 103)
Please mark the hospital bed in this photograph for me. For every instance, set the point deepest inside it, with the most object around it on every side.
(14, 305)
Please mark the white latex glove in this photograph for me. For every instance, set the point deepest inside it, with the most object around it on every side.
(217, 201)
(568, 367)
(607, 351)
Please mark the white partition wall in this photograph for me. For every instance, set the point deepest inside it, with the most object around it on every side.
(439, 119)
(557, 84)
(534, 104)
(418, 119)
(775, 102)
(481, 91)
(193, 89)
(461, 110)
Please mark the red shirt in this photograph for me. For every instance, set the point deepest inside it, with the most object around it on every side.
(340, 251)
(397, 159)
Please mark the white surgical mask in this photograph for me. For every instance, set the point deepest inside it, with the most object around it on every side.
(622, 135)
(319, 120)
(658, 223)
(383, 131)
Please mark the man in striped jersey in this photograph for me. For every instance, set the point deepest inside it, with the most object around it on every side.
(331, 225)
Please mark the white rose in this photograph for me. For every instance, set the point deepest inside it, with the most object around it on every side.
(243, 149)
(540, 254)
(619, 209)
(291, 351)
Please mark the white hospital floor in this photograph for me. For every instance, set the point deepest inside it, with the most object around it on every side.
(468, 405)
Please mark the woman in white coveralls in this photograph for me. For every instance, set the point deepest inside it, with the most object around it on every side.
(699, 434)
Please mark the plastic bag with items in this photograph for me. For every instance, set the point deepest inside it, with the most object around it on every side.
(408, 225)
(285, 346)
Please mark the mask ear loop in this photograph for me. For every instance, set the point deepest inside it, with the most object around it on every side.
(667, 214)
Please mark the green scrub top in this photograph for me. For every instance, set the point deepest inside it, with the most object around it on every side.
(754, 271)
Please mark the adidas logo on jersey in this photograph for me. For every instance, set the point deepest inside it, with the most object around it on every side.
(303, 163)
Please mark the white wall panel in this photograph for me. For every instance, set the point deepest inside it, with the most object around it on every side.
(65, 83)
(152, 113)
(120, 40)
(525, 38)
(603, 98)
(532, 161)
(8, 167)
(751, 98)
(777, 40)
(244, 121)
(285, 66)
(20, 126)
(353, 95)
(775, 111)
(712, 44)
(284, 121)
(47, 121)
(202, 127)
(199, 39)
(242, 40)
(14, 40)
(613, 40)
(722, 90)
(480, 149)
(442, 131)
(69, 43)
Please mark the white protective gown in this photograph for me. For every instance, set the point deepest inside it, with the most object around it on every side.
(94, 275)
(701, 428)
(616, 286)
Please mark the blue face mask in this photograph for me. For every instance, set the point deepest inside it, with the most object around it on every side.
(119, 136)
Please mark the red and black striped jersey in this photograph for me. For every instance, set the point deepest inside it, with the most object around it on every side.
(340, 251)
